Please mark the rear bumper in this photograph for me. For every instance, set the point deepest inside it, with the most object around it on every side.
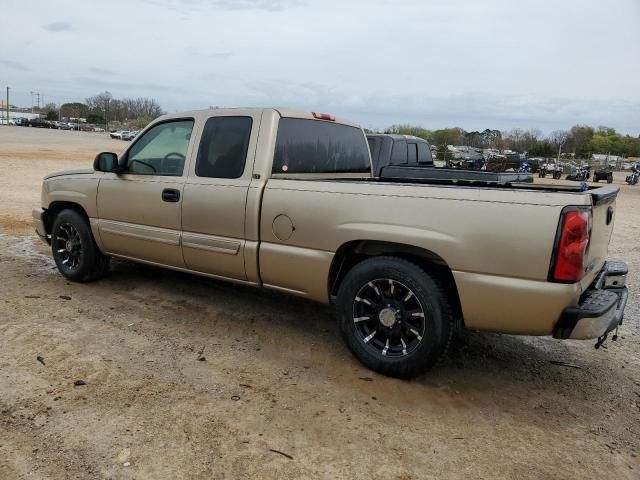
(601, 306)
(38, 223)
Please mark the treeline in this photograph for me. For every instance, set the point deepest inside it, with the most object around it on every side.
(103, 109)
(580, 140)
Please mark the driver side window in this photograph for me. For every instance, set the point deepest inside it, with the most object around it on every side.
(162, 150)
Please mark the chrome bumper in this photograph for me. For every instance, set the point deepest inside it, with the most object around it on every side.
(38, 223)
(601, 306)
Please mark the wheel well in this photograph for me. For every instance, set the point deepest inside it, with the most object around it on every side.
(352, 253)
(55, 208)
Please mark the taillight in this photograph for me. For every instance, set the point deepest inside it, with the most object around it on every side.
(570, 254)
(323, 116)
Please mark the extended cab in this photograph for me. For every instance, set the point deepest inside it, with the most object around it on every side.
(287, 200)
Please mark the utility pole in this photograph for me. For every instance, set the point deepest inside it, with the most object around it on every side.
(7, 106)
(38, 97)
(32, 92)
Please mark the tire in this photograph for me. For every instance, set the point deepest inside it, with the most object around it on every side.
(74, 249)
(410, 323)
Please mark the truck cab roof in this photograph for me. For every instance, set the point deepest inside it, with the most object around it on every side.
(282, 112)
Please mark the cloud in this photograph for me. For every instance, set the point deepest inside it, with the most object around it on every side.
(218, 54)
(58, 27)
(14, 65)
(202, 52)
(441, 64)
(268, 5)
(100, 71)
(103, 84)
(471, 110)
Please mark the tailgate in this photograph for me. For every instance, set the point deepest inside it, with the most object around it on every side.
(604, 205)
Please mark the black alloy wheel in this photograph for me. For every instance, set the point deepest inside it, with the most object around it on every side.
(389, 318)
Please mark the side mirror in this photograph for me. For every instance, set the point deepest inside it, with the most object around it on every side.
(106, 162)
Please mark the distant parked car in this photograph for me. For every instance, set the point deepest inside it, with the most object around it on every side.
(38, 123)
(129, 135)
(65, 126)
(117, 134)
(98, 129)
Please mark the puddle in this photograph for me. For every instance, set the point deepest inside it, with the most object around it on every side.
(30, 249)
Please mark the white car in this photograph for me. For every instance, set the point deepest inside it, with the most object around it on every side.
(117, 135)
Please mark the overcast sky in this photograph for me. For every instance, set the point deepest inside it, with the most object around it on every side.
(475, 64)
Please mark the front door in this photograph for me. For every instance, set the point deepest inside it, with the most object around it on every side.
(215, 196)
(139, 211)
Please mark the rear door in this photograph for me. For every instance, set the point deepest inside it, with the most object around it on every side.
(215, 195)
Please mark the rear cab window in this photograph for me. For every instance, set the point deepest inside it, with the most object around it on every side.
(318, 146)
(399, 152)
(424, 153)
(412, 155)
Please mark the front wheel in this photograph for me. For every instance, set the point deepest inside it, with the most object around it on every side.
(74, 250)
(394, 317)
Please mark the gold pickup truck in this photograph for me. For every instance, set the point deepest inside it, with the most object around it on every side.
(286, 200)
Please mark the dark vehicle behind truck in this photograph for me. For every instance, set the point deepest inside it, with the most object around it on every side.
(406, 156)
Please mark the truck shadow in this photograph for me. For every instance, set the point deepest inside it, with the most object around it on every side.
(293, 326)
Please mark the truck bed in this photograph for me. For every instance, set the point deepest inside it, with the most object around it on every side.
(598, 193)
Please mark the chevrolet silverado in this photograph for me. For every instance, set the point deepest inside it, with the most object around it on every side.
(288, 200)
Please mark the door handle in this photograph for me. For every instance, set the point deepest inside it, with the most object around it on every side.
(170, 195)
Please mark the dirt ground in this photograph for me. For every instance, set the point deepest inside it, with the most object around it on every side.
(278, 395)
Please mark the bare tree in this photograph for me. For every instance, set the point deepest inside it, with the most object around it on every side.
(558, 139)
(123, 110)
(142, 107)
(516, 136)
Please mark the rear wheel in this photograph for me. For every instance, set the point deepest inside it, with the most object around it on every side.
(74, 249)
(394, 317)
